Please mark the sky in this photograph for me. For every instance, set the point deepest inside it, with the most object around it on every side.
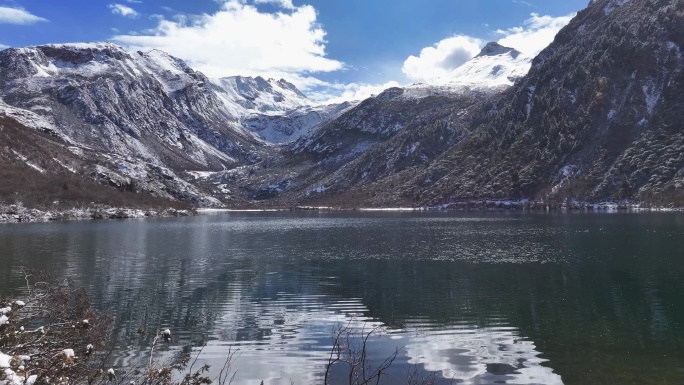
(330, 49)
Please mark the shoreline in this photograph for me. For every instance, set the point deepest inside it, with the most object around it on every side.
(474, 206)
(17, 213)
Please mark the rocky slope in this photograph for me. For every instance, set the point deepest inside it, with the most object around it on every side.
(597, 118)
(39, 171)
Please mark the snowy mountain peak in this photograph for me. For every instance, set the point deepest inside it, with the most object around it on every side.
(273, 109)
(251, 88)
(289, 86)
(170, 71)
(495, 66)
(168, 61)
(46, 61)
(256, 103)
(97, 46)
(496, 49)
(81, 53)
(248, 95)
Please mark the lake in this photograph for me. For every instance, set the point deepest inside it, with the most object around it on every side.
(477, 298)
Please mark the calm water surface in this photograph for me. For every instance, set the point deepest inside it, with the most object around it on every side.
(476, 298)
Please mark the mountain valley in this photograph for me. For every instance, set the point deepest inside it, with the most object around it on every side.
(595, 117)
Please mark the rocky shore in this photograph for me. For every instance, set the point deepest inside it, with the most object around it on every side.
(17, 213)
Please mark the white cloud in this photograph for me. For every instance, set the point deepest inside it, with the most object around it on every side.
(337, 93)
(120, 9)
(536, 33)
(455, 357)
(440, 59)
(523, 2)
(287, 4)
(2, 46)
(240, 40)
(10, 15)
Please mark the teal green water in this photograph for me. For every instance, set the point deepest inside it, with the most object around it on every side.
(476, 298)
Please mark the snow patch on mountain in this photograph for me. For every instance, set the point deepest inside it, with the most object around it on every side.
(32, 119)
(28, 162)
(612, 5)
(83, 59)
(672, 46)
(173, 73)
(651, 96)
(424, 90)
(528, 107)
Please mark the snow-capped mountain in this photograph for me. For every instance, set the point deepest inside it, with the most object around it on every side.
(402, 113)
(496, 65)
(100, 96)
(380, 117)
(148, 116)
(139, 116)
(273, 109)
(493, 70)
(596, 119)
(291, 125)
(247, 95)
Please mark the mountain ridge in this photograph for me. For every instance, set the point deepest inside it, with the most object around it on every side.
(594, 117)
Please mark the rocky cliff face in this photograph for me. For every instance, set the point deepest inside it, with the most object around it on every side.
(398, 130)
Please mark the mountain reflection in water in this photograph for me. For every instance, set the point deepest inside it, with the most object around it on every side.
(477, 298)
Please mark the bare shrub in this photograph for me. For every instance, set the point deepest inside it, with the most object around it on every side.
(350, 348)
(56, 337)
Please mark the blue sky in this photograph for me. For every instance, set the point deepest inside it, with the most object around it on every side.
(328, 48)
